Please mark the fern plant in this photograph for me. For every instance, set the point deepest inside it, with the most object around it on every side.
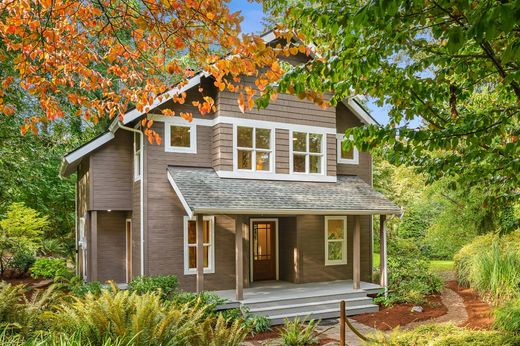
(296, 333)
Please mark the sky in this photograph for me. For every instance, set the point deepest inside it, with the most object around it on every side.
(252, 23)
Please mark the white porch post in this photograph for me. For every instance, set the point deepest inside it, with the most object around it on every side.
(356, 254)
(383, 253)
(239, 259)
(200, 253)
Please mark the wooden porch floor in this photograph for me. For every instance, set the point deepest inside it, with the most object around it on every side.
(275, 290)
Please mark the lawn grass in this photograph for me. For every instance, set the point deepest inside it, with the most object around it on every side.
(435, 265)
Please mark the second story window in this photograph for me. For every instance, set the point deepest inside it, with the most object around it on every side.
(346, 156)
(137, 157)
(253, 149)
(307, 153)
(181, 138)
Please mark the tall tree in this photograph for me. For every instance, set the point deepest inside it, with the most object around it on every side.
(101, 57)
(455, 65)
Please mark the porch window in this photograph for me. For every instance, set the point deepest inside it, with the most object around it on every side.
(190, 244)
(137, 157)
(253, 149)
(346, 156)
(335, 240)
(181, 138)
(307, 153)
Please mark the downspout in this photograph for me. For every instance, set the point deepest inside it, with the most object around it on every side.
(141, 185)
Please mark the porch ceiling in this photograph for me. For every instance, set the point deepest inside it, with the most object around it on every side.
(201, 191)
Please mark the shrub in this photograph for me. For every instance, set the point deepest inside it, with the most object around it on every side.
(20, 232)
(409, 275)
(296, 333)
(507, 317)
(444, 335)
(141, 319)
(49, 268)
(21, 262)
(84, 288)
(491, 265)
(167, 284)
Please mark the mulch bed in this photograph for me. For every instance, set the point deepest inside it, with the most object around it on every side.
(479, 312)
(274, 333)
(401, 314)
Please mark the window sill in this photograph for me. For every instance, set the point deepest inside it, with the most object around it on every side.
(327, 264)
(194, 272)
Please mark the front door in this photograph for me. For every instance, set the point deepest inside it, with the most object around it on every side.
(264, 250)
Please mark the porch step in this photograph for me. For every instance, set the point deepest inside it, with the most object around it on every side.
(323, 314)
(317, 305)
(300, 298)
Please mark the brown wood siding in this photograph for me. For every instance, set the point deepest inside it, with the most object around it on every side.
(286, 109)
(202, 158)
(331, 155)
(111, 174)
(222, 147)
(347, 119)
(111, 252)
(83, 186)
(311, 242)
(136, 229)
(282, 151)
(288, 249)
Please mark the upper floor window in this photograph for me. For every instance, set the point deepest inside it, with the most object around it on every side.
(181, 138)
(137, 157)
(190, 244)
(253, 149)
(346, 156)
(307, 153)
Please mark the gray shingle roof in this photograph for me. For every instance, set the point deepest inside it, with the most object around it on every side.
(204, 192)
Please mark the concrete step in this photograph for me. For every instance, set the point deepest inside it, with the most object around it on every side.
(310, 306)
(323, 314)
(302, 299)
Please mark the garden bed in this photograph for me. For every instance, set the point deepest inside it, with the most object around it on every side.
(479, 312)
(401, 314)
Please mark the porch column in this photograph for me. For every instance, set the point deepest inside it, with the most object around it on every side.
(200, 253)
(93, 246)
(356, 254)
(382, 252)
(239, 259)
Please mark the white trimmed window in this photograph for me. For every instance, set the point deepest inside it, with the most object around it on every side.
(335, 240)
(137, 157)
(253, 150)
(180, 138)
(190, 244)
(351, 156)
(307, 153)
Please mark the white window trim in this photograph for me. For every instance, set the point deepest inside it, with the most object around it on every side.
(345, 255)
(211, 253)
(192, 149)
(137, 157)
(254, 150)
(308, 154)
(355, 160)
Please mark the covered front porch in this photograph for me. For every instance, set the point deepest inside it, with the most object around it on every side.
(323, 234)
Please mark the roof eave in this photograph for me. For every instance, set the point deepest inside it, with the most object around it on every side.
(238, 211)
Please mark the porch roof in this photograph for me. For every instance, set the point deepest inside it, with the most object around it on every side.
(202, 191)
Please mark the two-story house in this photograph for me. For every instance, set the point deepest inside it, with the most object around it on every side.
(255, 205)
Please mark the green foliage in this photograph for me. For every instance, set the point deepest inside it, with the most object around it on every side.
(21, 262)
(20, 232)
(444, 335)
(53, 248)
(297, 333)
(507, 317)
(208, 299)
(49, 268)
(144, 319)
(491, 266)
(409, 275)
(85, 288)
(257, 323)
(449, 66)
(166, 284)
(21, 314)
